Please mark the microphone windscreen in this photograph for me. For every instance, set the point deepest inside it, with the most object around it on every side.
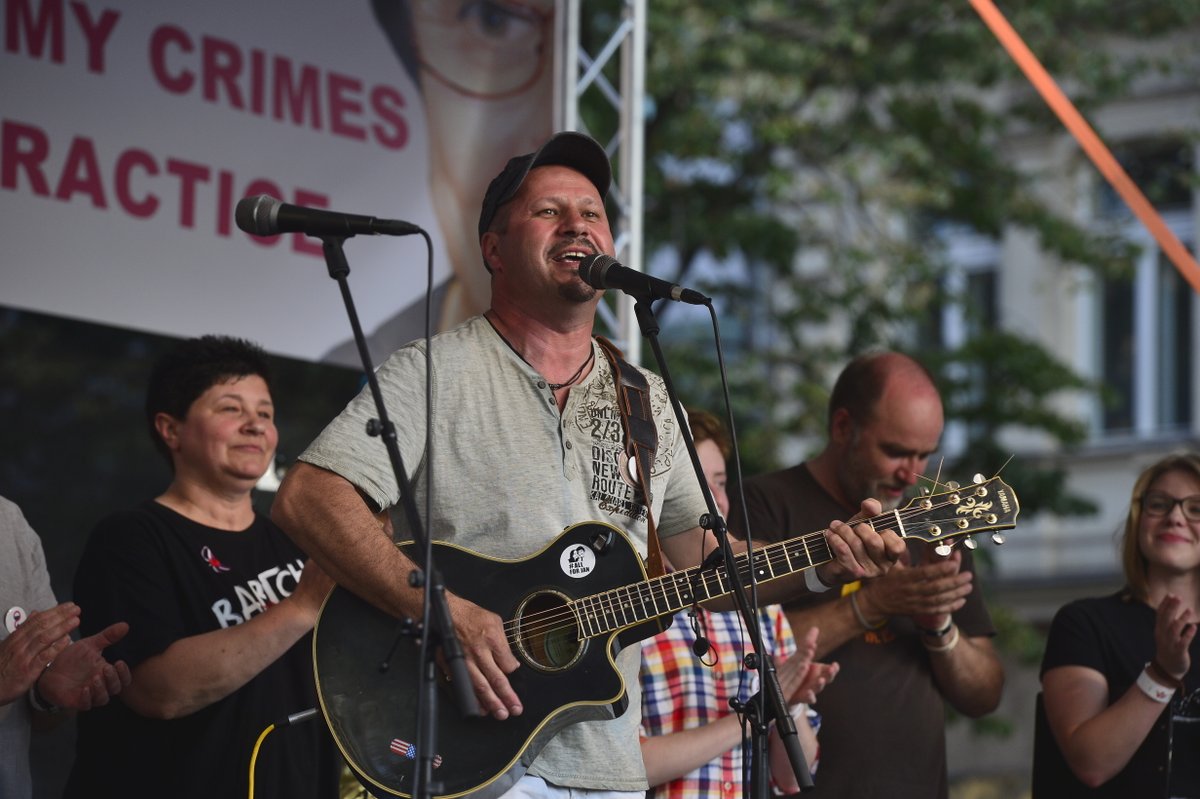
(253, 214)
(593, 268)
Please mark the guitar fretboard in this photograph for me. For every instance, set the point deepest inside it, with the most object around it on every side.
(630, 605)
(986, 505)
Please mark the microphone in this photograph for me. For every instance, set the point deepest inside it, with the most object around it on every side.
(701, 646)
(605, 272)
(263, 215)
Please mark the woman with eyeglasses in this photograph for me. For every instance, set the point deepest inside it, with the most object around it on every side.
(1117, 672)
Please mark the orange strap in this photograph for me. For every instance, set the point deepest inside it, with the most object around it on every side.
(1089, 141)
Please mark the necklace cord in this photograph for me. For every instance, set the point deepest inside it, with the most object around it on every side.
(552, 386)
(571, 380)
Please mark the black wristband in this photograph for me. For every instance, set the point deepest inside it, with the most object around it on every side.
(936, 633)
(39, 702)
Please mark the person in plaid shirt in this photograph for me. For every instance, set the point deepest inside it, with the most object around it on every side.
(691, 737)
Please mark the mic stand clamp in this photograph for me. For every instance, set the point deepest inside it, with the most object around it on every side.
(437, 620)
(769, 701)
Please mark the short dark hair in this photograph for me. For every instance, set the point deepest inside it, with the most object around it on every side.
(860, 385)
(193, 366)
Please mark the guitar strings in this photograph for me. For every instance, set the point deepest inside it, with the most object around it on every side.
(611, 603)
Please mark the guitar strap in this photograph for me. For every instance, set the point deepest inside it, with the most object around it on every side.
(641, 439)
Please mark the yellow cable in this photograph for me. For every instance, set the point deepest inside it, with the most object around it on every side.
(254, 755)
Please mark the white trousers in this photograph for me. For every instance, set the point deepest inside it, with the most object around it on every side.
(531, 787)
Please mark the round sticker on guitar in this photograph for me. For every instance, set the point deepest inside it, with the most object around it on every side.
(577, 561)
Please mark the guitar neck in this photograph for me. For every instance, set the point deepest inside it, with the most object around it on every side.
(988, 504)
(630, 605)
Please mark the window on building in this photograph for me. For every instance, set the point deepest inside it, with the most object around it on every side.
(1146, 332)
(973, 281)
(1162, 168)
(1147, 335)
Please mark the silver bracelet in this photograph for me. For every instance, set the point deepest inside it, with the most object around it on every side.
(1151, 687)
(812, 581)
(858, 614)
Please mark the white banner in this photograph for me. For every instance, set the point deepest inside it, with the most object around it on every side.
(130, 130)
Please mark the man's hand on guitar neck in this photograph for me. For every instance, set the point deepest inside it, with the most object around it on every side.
(489, 657)
(860, 551)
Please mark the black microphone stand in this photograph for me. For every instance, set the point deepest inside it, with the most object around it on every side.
(436, 623)
(769, 703)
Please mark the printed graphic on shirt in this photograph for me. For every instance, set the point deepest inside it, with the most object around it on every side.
(268, 587)
(212, 560)
(612, 485)
(577, 561)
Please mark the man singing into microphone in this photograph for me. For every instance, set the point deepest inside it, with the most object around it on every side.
(527, 439)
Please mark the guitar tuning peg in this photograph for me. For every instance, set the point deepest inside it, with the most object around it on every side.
(978, 478)
(943, 550)
(924, 491)
(953, 485)
(998, 538)
(970, 543)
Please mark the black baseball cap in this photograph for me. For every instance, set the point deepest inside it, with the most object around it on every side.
(569, 148)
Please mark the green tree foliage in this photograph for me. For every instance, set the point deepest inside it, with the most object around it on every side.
(823, 145)
(816, 149)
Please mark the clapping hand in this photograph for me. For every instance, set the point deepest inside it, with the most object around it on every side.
(1174, 629)
(80, 678)
(800, 678)
(32, 646)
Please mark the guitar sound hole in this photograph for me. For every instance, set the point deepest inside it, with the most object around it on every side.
(546, 634)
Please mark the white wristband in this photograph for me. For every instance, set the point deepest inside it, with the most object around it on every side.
(813, 582)
(1151, 688)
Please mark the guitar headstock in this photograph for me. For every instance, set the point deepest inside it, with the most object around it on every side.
(960, 512)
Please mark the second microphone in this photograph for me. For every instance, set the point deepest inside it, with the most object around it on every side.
(263, 215)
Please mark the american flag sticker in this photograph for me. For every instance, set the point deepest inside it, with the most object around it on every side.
(405, 749)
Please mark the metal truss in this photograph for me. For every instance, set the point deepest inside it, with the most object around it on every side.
(578, 74)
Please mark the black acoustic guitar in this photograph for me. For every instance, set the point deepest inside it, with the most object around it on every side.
(568, 610)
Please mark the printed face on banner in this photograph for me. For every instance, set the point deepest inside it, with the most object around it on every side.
(486, 82)
(134, 132)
